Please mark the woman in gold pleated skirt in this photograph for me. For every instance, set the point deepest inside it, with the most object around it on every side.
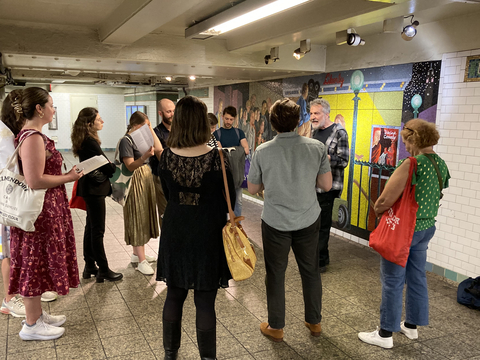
(140, 210)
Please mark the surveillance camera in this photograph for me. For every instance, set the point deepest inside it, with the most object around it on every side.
(355, 40)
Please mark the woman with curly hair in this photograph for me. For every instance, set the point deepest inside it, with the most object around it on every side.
(45, 259)
(93, 188)
(419, 137)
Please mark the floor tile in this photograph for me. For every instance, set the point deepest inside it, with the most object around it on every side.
(123, 320)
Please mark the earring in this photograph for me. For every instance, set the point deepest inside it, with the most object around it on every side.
(41, 115)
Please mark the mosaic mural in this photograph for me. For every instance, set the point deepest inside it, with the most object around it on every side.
(371, 104)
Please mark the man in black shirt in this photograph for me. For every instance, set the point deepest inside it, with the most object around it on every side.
(166, 109)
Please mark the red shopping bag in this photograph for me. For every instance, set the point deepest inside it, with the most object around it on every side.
(77, 202)
(393, 236)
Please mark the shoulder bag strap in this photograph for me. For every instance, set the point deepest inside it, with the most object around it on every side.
(440, 182)
(227, 193)
(117, 150)
(14, 156)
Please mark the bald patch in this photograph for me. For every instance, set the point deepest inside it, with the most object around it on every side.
(162, 104)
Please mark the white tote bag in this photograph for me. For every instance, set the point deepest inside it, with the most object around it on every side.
(19, 205)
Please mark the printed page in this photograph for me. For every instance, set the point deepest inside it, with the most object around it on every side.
(91, 164)
(142, 138)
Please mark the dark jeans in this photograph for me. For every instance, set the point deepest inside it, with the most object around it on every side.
(93, 250)
(326, 203)
(276, 246)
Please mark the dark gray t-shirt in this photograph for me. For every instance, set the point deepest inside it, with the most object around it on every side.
(127, 148)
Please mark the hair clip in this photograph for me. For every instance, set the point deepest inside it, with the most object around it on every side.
(17, 106)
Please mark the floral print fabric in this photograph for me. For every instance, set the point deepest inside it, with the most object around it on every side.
(46, 259)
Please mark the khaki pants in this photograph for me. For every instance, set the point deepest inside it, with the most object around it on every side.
(305, 129)
(160, 196)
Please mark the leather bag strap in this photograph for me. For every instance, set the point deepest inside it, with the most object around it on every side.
(440, 183)
(227, 193)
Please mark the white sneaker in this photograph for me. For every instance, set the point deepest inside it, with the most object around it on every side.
(373, 338)
(145, 268)
(48, 296)
(14, 307)
(412, 334)
(134, 258)
(40, 331)
(54, 320)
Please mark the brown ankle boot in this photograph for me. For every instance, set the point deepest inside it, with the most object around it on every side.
(315, 329)
(275, 335)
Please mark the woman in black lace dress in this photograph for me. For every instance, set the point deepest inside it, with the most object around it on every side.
(191, 254)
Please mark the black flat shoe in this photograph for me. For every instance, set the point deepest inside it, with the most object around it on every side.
(109, 275)
(89, 272)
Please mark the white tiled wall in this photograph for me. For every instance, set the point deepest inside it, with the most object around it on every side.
(112, 110)
(110, 106)
(456, 245)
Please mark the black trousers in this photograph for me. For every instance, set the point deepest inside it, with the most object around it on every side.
(93, 249)
(276, 246)
(326, 203)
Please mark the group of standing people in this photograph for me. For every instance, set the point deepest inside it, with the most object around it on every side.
(181, 177)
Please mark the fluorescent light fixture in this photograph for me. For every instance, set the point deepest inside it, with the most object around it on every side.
(237, 16)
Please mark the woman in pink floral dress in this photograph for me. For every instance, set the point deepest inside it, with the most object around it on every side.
(43, 260)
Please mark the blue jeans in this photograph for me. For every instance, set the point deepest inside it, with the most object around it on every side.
(393, 279)
(238, 202)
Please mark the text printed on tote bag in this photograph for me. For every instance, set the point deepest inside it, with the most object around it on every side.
(392, 220)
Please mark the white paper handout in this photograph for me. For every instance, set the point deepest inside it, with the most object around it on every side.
(91, 164)
(143, 138)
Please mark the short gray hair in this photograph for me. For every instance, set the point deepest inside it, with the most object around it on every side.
(323, 103)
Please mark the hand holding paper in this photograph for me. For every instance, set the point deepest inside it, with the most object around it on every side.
(143, 138)
(91, 164)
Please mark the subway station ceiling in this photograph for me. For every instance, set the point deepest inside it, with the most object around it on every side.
(141, 42)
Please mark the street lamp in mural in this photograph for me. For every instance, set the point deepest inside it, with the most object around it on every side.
(416, 103)
(356, 84)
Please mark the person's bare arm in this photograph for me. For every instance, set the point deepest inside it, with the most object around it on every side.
(393, 189)
(324, 181)
(157, 145)
(254, 188)
(244, 143)
(133, 165)
(33, 154)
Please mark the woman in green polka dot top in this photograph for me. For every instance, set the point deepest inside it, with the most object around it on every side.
(419, 137)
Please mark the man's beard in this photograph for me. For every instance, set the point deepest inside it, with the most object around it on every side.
(167, 121)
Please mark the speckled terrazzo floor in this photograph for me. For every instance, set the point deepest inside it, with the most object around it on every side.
(123, 320)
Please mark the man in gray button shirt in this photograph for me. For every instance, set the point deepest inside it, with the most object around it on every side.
(289, 167)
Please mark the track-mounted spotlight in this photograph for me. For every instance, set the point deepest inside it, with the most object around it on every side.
(349, 37)
(304, 48)
(410, 31)
(354, 39)
(273, 56)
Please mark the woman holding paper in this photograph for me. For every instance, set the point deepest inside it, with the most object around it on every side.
(45, 259)
(140, 210)
(93, 188)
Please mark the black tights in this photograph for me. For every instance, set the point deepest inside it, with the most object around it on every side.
(204, 303)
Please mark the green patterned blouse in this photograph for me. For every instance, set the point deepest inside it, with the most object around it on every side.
(427, 191)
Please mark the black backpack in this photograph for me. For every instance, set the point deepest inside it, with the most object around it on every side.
(468, 293)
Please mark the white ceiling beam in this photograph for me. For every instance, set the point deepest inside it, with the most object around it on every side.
(134, 19)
